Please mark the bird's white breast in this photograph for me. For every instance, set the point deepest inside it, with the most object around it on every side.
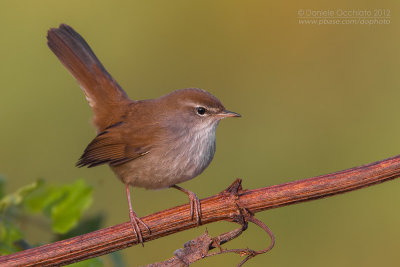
(178, 160)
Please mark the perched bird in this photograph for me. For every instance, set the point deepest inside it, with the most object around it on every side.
(156, 143)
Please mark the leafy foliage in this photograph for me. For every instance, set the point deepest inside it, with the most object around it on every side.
(18, 196)
(63, 205)
(9, 235)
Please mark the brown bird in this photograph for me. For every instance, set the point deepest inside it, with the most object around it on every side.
(155, 143)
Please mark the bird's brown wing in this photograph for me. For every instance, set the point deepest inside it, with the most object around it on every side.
(113, 147)
(105, 96)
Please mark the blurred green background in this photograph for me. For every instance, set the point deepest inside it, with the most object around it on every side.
(314, 99)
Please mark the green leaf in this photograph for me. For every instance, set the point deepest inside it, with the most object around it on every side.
(67, 212)
(18, 196)
(42, 201)
(63, 204)
(9, 235)
(86, 225)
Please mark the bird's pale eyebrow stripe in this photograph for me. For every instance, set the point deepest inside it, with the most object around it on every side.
(197, 104)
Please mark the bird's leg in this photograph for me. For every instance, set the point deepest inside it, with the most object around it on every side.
(135, 219)
(195, 208)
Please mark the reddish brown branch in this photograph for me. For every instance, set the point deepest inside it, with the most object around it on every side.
(224, 206)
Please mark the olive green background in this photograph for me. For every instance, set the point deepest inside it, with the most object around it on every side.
(314, 100)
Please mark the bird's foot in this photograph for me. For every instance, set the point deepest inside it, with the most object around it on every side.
(135, 221)
(195, 207)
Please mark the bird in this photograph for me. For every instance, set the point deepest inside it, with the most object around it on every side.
(153, 143)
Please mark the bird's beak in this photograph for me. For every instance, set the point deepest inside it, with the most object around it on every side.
(227, 113)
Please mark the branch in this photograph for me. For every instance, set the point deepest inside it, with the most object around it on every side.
(223, 206)
(198, 248)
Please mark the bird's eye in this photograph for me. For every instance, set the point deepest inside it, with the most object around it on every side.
(201, 111)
